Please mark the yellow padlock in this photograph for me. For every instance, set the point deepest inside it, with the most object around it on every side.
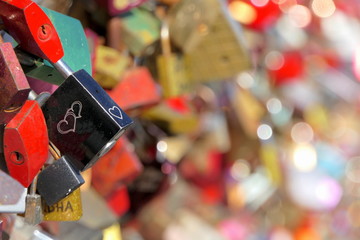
(269, 157)
(171, 70)
(68, 209)
(110, 65)
(248, 110)
(175, 122)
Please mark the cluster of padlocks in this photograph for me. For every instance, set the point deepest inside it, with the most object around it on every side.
(60, 125)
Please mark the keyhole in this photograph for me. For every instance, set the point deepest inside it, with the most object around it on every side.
(44, 32)
(17, 158)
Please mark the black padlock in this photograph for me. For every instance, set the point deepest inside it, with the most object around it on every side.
(58, 180)
(83, 121)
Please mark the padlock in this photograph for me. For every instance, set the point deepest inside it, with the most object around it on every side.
(67, 209)
(270, 160)
(136, 89)
(120, 164)
(96, 213)
(42, 76)
(36, 35)
(110, 65)
(59, 179)
(119, 201)
(76, 50)
(12, 195)
(189, 23)
(83, 141)
(177, 121)
(248, 109)
(138, 29)
(26, 147)
(86, 123)
(14, 88)
(210, 60)
(171, 71)
(33, 211)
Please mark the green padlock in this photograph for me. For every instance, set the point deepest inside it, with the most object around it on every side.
(140, 28)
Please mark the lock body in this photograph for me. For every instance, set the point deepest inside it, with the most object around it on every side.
(36, 35)
(83, 121)
(128, 95)
(172, 75)
(33, 211)
(67, 209)
(120, 164)
(14, 88)
(208, 60)
(26, 143)
(139, 29)
(110, 65)
(58, 180)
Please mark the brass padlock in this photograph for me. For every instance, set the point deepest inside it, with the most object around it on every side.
(67, 209)
(189, 23)
(171, 70)
(220, 53)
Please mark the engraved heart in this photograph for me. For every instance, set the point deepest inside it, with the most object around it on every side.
(116, 112)
(76, 108)
(68, 124)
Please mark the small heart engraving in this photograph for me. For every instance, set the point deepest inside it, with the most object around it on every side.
(76, 108)
(68, 124)
(116, 112)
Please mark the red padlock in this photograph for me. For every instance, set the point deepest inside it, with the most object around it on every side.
(14, 88)
(136, 89)
(26, 143)
(121, 164)
(31, 28)
(119, 201)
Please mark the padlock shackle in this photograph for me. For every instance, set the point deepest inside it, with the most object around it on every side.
(63, 68)
(33, 185)
(165, 37)
(54, 151)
